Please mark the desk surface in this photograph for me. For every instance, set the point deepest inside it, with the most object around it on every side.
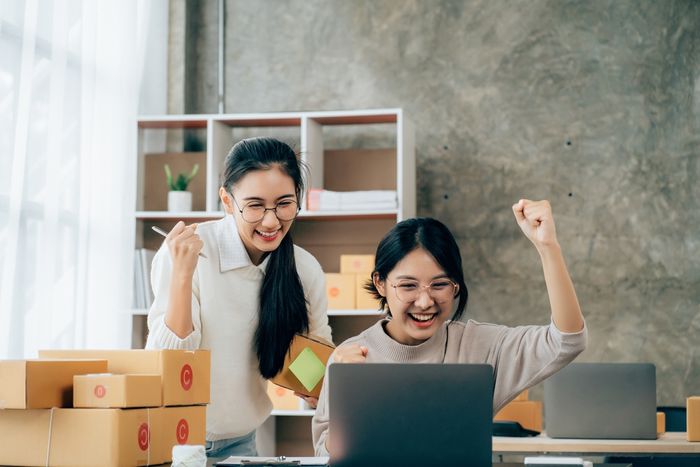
(668, 443)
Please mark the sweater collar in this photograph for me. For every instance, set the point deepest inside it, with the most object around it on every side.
(378, 339)
(232, 252)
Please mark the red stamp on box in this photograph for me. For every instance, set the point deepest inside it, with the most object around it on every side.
(144, 436)
(334, 291)
(186, 377)
(182, 431)
(100, 391)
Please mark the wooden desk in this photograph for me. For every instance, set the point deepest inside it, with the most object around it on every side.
(668, 443)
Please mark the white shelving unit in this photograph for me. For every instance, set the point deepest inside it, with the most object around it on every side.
(344, 151)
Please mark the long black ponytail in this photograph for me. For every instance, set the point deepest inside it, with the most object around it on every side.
(283, 308)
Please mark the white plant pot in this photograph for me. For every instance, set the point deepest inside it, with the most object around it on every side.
(179, 201)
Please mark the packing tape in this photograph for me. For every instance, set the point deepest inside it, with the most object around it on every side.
(148, 424)
(48, 446)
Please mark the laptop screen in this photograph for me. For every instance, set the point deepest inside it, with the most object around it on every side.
(601, 401)
(410, 414)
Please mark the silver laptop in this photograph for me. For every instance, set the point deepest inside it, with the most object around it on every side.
(601, 401)
(410, 414)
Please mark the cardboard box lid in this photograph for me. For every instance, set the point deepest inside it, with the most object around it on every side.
(38, 384)
(298, 374)
(119, 391)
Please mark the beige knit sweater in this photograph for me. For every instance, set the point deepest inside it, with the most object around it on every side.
(521, 357)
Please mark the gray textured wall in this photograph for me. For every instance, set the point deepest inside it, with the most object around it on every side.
(592, 105)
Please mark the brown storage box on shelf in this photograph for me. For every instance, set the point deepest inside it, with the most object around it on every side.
(116, 391)
(185, 373)
(357, 264)
(363, 299)
(340, 291)
(42, 384)
(693, 418)
(180, 425)
(80, 437)
(527, 413)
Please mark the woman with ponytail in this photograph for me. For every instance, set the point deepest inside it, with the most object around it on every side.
(247, 296)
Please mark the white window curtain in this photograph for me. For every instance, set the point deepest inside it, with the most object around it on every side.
(69, 81)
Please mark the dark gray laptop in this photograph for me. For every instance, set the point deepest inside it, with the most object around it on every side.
(601, 401)
(410, 414)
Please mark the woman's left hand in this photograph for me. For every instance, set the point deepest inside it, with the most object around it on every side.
(312, 401)
(536, 221)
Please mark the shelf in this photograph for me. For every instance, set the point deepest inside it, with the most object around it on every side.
(168, 215)
(293, 413)
(144, 312)
(355, 313)
(311, 215)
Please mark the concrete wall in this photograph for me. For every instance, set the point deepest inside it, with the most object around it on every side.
(593, 105)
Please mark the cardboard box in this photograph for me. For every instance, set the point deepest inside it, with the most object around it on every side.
(660, 423)
(80, 437)
(522, 396)
(340, 290)
(42, 384)
(363, 299)
(185, 373)
(283, 398)
(304, 366)
(181, 425)
(527, 413)
(116, 391)
(357, 264)
(693, 418)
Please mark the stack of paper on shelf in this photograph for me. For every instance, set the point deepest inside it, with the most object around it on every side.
(371, 200)
(150, 401)
(143, 293)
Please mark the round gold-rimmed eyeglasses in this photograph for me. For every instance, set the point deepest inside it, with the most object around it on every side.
(253, 212)
(440, 290)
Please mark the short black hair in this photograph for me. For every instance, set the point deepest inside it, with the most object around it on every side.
(432, 236)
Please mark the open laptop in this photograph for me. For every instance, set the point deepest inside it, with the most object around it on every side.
(601, 401)
(410, 414)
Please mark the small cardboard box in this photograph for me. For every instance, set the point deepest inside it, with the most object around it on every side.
(340, 290)
(523, 396)
(283, 398)
(357, 264)
(693, 418)
(660, 423)
(527, 413)
(181, 425)
(116, 391)
(363, 299)
(304, 366)
(185, 373)
(42, 384)
(80, 437)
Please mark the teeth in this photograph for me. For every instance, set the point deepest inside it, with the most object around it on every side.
(267, 234)
(423, 317)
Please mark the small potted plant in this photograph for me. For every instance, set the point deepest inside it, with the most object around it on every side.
(179, 199)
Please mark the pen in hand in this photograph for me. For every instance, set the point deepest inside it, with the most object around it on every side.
(165, 234)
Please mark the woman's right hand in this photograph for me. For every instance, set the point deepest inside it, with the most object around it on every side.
(184, 245)
(350, 353)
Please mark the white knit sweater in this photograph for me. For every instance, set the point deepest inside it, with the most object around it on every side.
(225, 302)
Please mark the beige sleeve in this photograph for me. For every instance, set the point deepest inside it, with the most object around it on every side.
(526, 355)
(320, 420)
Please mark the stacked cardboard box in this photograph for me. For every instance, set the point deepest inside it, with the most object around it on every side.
(526, 412)
(130, 408)
(693, 418)
(345, 290)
